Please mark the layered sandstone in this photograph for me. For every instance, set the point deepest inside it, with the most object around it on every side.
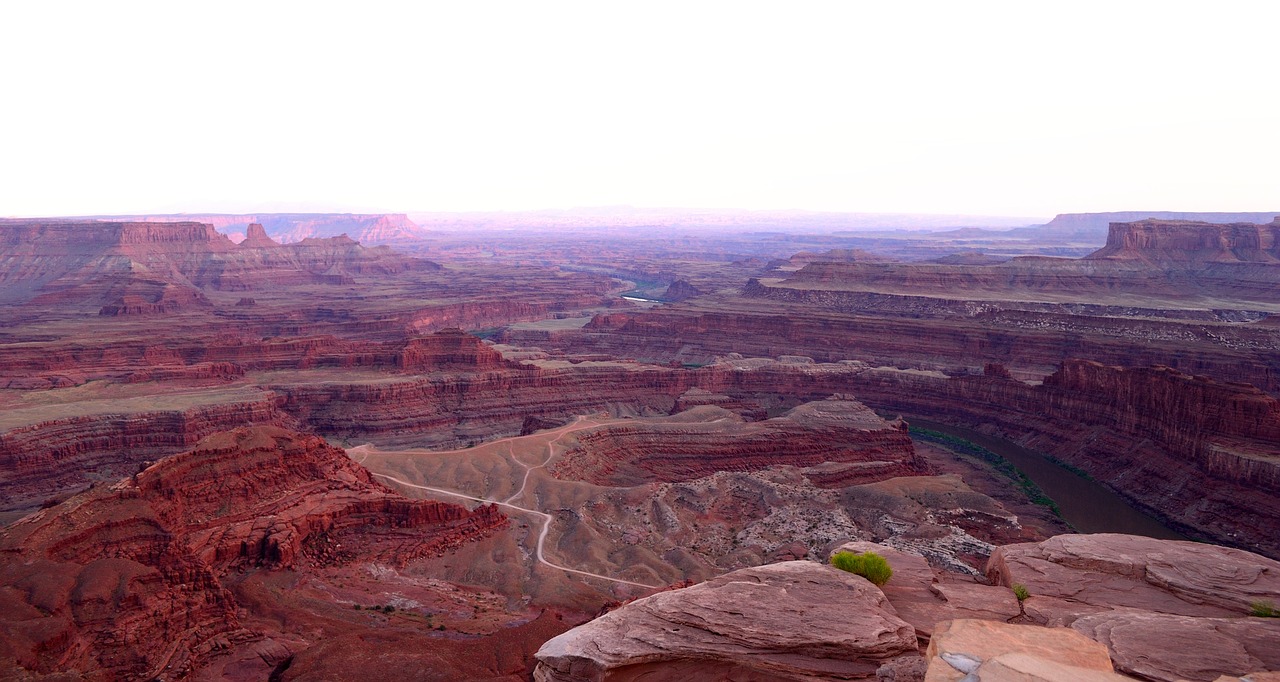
(705, 440)
(48, 459)
(125, 581)
(1189, 295)
(174, 360)
(442, 388)
(952, 334)
(1187, 241)
(447, 408)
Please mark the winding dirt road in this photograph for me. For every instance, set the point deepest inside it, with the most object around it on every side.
(507, 503)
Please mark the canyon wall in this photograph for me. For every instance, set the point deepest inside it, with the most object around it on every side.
(124, 581)
(1198, 453)
(1029, 343)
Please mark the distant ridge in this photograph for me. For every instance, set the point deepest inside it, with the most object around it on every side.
(781, 220)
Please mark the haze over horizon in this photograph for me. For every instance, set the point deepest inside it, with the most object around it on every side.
(995, 109)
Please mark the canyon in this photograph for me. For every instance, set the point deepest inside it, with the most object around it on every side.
(314, 457)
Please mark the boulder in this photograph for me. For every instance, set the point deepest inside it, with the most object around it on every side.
(1158, 646)
(796, 620)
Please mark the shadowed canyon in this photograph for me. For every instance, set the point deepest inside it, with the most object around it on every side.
(571, 447)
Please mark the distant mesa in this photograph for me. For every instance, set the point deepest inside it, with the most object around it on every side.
(367, 228)
(1164, 259)
(1094, 227)
(970, 258)
(1187, 241)
(837, 256)
(142, 267)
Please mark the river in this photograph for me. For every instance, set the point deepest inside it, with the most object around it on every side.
(1087, 505)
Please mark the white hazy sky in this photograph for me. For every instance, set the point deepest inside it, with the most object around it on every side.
(1015, 108)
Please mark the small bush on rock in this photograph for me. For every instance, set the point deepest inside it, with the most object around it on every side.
(1020, 591)
(869, 565)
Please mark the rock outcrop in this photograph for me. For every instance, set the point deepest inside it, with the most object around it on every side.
(703, 631)
(1107, 570)
(123, 581)
(1167, 610)
(795, 620)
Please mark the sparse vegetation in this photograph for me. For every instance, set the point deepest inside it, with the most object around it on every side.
(1264, 609)
(1070, 467)
(1020, 591)
(869, 565)
(1000, 464)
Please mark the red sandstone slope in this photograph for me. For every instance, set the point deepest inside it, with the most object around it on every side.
(124, 581)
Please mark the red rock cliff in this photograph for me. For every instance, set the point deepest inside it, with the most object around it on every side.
(122, 582)
(1191, 241)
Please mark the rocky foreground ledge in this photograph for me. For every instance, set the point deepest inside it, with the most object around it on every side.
(1100, 607)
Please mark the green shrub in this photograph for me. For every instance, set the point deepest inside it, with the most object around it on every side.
(1020, 591)
(1264, 609)
(869, 565)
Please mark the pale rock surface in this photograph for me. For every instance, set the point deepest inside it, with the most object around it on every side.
(1251, 677)
(1159, 646)
(971, 647)
(1019, 667)
(796, 620)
